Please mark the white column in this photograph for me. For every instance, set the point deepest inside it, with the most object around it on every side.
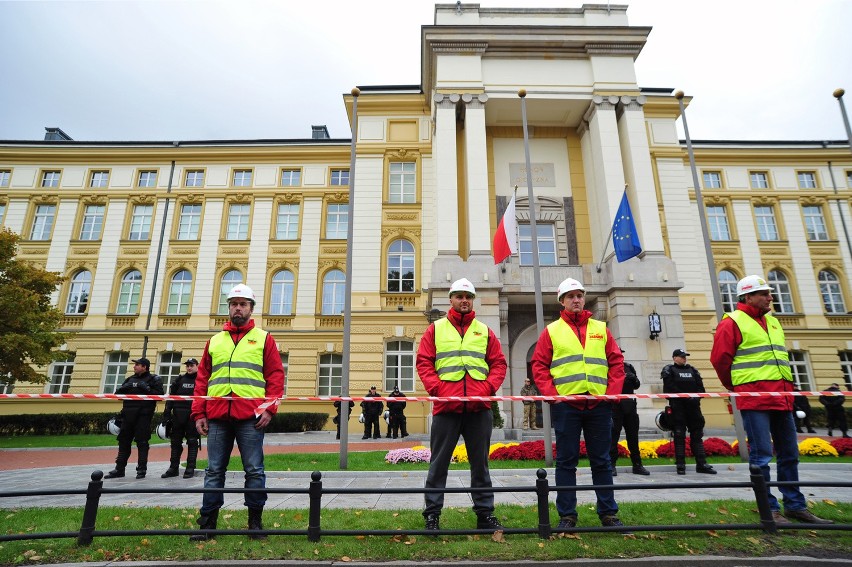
(60, 241)
(306, 286)
(102, 284)
(803, 266)
(476, 175)
(604, 147)
(744, 221)
(446, 171)
(640, 176)
(259, 250)
(205, 273)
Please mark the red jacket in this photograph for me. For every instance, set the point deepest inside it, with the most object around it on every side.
(273, 372)
(543, 356)
(467, 386)
(725, 342)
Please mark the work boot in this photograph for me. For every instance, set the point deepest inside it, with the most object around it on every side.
(680, 453)
(170, 472)
(701, 465)
(432, 523)
(142, 462)
(255, 522)
(207, 522)
(639, 469)
(120, 464)
(705, 469)
(115, 473)
(488, 522)
(191, 457)
(806, 516)
(174, 462)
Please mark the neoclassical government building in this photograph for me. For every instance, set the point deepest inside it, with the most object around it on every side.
(150, 236)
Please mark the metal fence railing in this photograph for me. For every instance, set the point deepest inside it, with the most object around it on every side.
(316, 491)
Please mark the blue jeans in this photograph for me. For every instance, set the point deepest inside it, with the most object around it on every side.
(595, 423)
(220, 443)
(763, 428)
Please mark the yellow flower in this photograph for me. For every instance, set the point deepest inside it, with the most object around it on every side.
(817, 447)
(496, 446)
(460, 454)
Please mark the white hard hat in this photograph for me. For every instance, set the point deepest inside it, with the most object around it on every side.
(114, 425)
(568, 284)
(462, 285)
(241, 290)
(751, 284)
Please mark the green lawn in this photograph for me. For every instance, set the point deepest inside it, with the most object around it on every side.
(717, 541)
(61, 441)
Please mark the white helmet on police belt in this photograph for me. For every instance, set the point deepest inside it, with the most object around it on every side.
(568, 284)
(750, 284)
(241, 290)
(114, 425)
(164, 430)
(462, 285)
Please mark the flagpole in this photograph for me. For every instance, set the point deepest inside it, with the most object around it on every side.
(539, 308)
(711, 267)
(838, 94)
(347, 299)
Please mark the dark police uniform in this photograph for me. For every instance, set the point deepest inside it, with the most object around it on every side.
(625, 414)
(686, 414)
(178, 412)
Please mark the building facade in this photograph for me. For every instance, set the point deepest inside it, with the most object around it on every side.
(150, 236)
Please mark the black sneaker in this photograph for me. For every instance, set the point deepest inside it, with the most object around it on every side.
(611, 521)
(488, 522)
(705, 469)
(114, 473)
(432, 523)
(639, 469)
(567, 523)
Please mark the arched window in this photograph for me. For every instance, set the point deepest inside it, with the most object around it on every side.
(180, 290)
(333, 288)
(78, 292)
(128, 293)
(832, 295)
(781, 294)
(281, 301)
(728, 290)
(227, 283)
(401, 266)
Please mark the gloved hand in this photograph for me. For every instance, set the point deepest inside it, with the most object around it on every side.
(144, 387)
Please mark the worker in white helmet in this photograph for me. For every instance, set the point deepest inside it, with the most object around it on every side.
(750, 355)
(460, 356)
(242, 361)
(578, 355)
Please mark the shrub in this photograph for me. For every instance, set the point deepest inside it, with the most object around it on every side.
(816, 447)
(720, 447)
(294, 422)
(623, 451)
(843, 446)
(526, 451)
(648, 449)
(667, 450)
(497, 417)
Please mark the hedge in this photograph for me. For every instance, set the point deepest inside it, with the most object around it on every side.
(88, 423)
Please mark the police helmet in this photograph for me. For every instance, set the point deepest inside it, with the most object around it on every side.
(386, 415)
(663, 420)
(114, 425)
(164, 430)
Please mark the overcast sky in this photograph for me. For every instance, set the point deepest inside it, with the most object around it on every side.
(195, 70)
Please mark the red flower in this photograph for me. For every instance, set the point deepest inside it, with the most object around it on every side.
(843, 446)
(716, 446)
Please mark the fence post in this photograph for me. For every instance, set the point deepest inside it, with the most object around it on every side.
(761, 496)
(314, 506)
(542, 490)
(90, 512)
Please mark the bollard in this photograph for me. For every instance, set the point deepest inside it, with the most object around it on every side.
(314, 506)
(90, 512)
(542, 491)
(761, 496)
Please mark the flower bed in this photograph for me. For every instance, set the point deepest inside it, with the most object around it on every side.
(417, 454)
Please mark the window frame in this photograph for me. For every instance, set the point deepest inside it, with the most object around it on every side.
(5, 178)
(403, 259)
(102, 181)
(751, 178)
(728, 294)
(289, 173)
(136, 225)
(800, 367)
(525, 243)
(50, 178)
(812, 231)
(845, 357)
(200, 172)
(183, 295)
(63, 370)
(129, 291)
(242, 181)
(807, 175)
(278, 293)
(79, 293)
(715, 222)
(115, 370)
(88, 222)
(337, 175)
(393, 360)
(763, 221)
(288, 221)
(341, 211)
(169, 368)
(154, 174)
(241, 229)
(225, 288)
(42, 223)
(193, 227)
(406, 182)
(333, 292)
(327, 363)
(712, 174)
(782, 300)
(831, 293)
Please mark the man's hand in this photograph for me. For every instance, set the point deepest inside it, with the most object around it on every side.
(201, 425)
(263, 420)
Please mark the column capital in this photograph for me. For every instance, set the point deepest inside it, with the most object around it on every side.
(632, 102)
(600, 103)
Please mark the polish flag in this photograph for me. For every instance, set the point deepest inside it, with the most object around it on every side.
(506, 237)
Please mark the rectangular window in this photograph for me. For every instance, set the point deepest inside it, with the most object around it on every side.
(337, 219)
(399, 366)
(238, 222)
(194, 178)
(717, 219)
(766, 227)
(807, 179)
(169, 368)
(330, 375)
(340, 177)
(814, 222)
(50, 179)
(99, 179)
(799, 369)
(5, 176)
(147, 179)
(242, 178)
(60, 377)
(287, 225)
(546, 236)
(140, 222)
(93, 221)
(291, 177)
(712, 180)
(43, 222)
(402, 182)
(846, 367)
(189, 222)
(759, 180)
(115, 371)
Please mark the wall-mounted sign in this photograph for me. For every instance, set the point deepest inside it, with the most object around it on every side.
(543, 175)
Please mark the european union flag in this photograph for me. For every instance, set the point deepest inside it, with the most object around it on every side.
(625, 239)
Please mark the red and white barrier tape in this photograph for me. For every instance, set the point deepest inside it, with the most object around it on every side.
(422, 398)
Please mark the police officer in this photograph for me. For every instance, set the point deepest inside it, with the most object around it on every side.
(396, 416)
(336, 419)
(682, 378)
(177, 412)
(625, 414)
(372, 412)
(137, 416)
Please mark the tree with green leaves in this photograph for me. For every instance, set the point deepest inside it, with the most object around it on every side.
(28, 321)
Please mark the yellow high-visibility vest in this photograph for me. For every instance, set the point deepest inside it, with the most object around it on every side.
(578, 370)
(456, 356)
(237, 368)
(762, 354)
